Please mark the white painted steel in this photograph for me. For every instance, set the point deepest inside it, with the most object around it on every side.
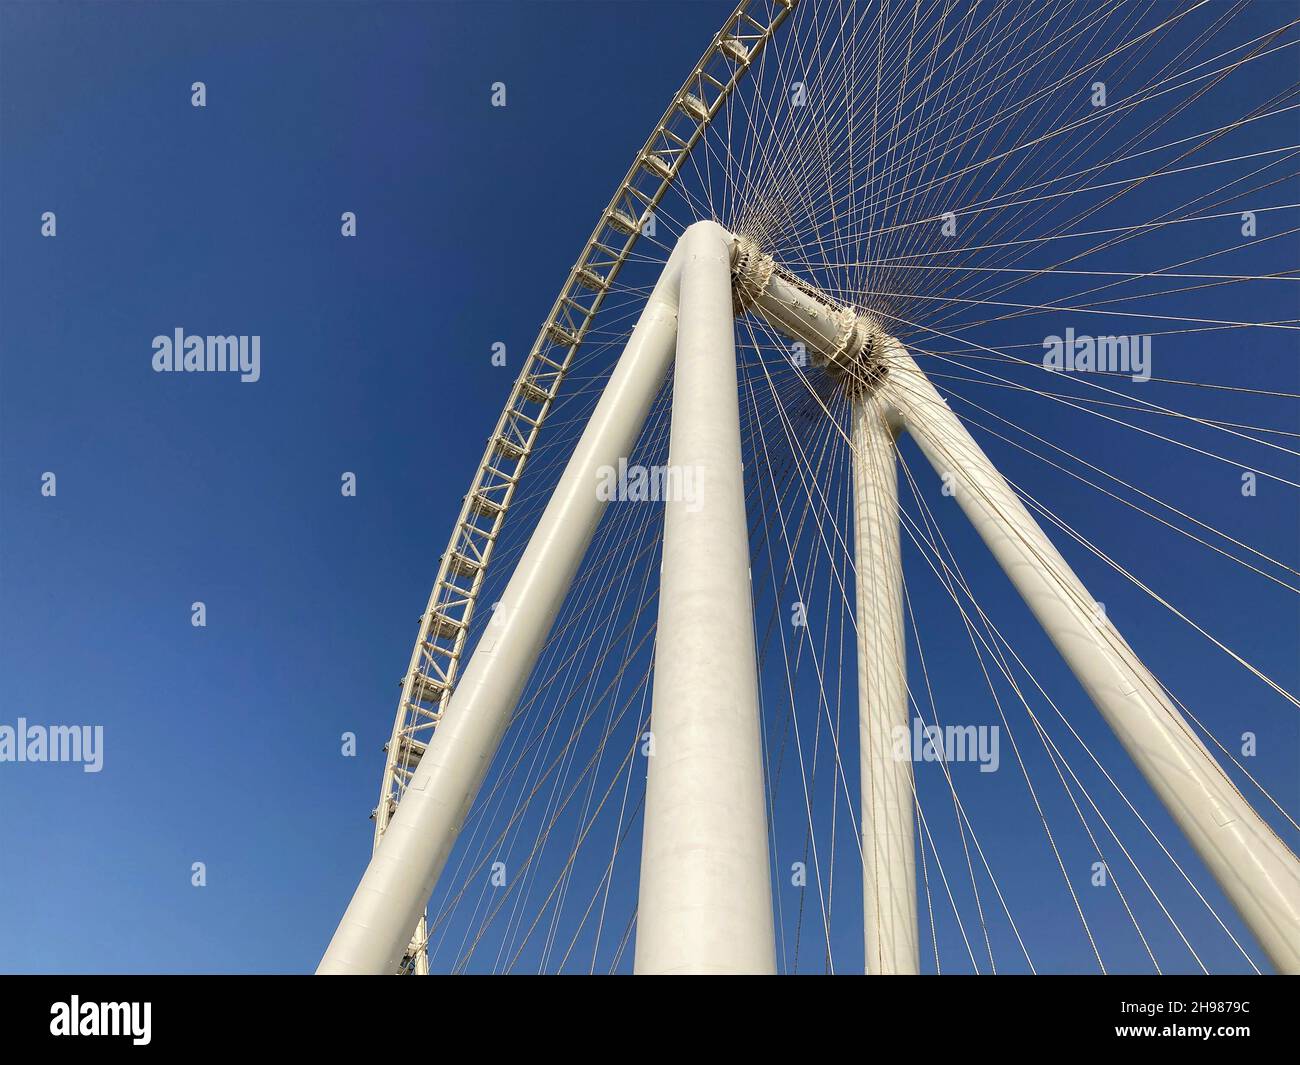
(705, 902)
(888, 795)
(705, 897)
(433, 670)
(390, 899)
(1253, 866)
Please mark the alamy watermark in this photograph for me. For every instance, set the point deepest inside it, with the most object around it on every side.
(53, 743)
(130, 1020)
(212, 354)
(650, 484)
(948, 743)
(1087, 354)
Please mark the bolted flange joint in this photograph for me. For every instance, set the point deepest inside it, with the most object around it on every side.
(843, 341)
(751, 271)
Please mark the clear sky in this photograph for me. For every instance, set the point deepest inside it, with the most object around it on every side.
(222, 742)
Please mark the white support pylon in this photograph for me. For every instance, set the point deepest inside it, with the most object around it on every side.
(705, 896)
(390, 899)
(843, 342)
(888, 794)
(705, 888)
(1253, 866)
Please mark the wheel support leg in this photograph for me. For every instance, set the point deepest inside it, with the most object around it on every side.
(389, 901)
(1254, 867)
(888, 796)
(705, 897)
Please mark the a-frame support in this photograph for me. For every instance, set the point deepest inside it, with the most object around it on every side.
(714, 836)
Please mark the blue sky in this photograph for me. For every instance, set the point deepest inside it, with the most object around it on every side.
(222, 743)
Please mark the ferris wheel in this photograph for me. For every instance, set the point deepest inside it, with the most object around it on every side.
(886, 557)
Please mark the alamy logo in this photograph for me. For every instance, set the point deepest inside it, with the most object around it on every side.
(53, 743)
(212, 354)
(650, 484)
(1086, 354)
(102, 1018)
(948, 743)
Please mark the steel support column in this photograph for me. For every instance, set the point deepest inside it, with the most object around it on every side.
(389, 901)
(705, 898)
(888, 795)
(1253, 866)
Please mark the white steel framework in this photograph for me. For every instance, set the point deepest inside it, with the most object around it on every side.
(705, 892)
(432, 672)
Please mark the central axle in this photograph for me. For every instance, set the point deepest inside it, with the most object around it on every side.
(846, 342)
